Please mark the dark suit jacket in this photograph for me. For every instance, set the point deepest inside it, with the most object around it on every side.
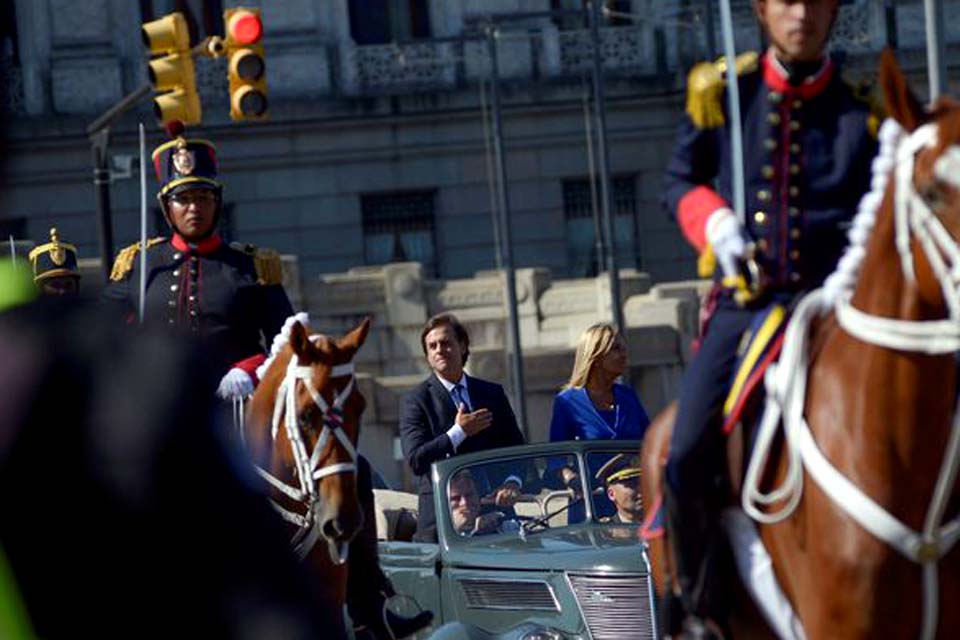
(427, 412)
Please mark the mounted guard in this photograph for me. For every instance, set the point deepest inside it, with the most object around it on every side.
(229, 295)
(808, 142)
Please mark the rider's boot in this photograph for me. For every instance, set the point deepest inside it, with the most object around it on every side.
(367, 586)
(377, 622)
(694, 536)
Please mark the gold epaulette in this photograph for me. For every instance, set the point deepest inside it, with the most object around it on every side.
(867, 92)
(705, 86)
(124, 260)
(266, 261)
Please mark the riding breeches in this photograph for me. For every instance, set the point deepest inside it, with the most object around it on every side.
(696, 447)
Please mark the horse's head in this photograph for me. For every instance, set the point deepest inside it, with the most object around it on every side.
(926, 189)
(309, 398)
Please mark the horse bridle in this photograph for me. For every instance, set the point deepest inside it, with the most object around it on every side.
(307, 469)
(786, 385)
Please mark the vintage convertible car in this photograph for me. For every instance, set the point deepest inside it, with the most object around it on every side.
(560, 563)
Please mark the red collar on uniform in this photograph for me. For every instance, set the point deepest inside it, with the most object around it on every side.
(204, 247)
(776, 79)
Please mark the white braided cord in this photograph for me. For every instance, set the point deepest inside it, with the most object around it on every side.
(786, 380)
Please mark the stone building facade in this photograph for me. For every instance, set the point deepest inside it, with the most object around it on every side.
(376, 153)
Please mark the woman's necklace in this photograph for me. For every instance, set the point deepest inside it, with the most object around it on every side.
(601, 402)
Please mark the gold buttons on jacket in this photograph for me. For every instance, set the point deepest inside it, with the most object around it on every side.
(774, 97)
(794, 255)
(767, 171)
(794, 191)
(794, 169)
(795, 233)
(794, 148)
(794, 277)
(794, 212)
(174, 287)
(770, 144)
(763, 195)
(773, 118)
(760, 217)
(762, 245)
(796, 104)
(794, 125)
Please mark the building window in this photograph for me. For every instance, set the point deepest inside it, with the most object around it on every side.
(581, 240)
(8, 33)
(383, 21)
(399, 227)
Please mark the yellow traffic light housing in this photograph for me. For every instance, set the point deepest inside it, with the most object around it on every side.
(172, 72)
(246, 69)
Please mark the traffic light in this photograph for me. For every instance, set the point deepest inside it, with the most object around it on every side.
(171, 71)
(245, 64)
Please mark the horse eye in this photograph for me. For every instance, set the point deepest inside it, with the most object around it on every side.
(306, 418)
(933, 196)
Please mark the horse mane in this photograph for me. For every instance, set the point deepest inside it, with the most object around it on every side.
(842, 280)
(282, 339)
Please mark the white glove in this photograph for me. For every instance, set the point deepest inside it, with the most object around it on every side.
(725, 234)
(236, 384)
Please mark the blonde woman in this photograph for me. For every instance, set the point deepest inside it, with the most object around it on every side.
(593, 405)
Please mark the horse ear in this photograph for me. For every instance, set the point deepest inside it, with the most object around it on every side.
(300, 341)
(355, 339)
(902, 105)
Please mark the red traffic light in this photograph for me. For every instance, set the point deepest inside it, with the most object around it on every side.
(245, 27)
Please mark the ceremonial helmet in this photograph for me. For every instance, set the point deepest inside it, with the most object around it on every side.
(54, 259)
(185, 163)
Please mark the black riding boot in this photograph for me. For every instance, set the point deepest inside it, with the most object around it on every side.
(694, 536)
(367, 586)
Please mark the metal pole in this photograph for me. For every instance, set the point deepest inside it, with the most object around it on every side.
(506, 244)
(101, 187)
(594, 204)
(603, 158)
(143, 220)
(936, 65)
(733, 106)
(99, 134)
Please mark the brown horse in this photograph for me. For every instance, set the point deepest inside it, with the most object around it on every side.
(301, 429)
(852, 486)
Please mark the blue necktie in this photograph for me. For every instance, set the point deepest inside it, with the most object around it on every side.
(458, 397)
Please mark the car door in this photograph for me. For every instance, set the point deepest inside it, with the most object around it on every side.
(412, 568)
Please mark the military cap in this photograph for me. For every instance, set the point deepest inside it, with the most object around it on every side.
(185, 163)
(54, 259)
(619, 468)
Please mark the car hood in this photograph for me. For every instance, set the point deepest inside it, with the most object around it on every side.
(589, 547)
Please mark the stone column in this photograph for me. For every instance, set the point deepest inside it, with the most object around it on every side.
(336, 21)
(85, 75)
(33, 30)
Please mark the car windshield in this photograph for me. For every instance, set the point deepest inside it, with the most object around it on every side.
(527, 495)
(615, 487)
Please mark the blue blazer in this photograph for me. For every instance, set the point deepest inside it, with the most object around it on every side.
(575, 417)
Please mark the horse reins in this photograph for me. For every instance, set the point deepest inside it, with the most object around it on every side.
(307, 469)
(786, 386)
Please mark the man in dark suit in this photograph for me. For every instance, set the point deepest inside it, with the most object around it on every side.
(451, 413)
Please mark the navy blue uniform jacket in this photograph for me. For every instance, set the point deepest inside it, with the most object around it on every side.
(212, 291)
(807, 155)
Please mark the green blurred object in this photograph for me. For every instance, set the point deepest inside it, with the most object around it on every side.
(16, 284)
(14, 622)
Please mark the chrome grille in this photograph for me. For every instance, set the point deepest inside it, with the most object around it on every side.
(509, 594)
(615, 607)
